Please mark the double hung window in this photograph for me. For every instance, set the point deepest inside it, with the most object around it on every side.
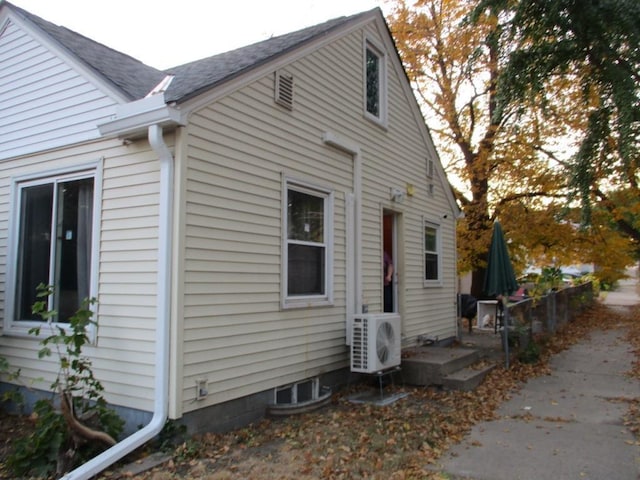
(53, 241)
(308, 248)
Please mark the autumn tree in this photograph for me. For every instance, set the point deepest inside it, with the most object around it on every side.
(554, 236)
(596, 44)
(496, 153)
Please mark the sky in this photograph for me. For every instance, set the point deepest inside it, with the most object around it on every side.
(166, 33)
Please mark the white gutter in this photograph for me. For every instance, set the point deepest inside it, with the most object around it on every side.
(161, 395)
(132, 120)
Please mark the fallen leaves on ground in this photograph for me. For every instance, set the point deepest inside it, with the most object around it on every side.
(401, 441)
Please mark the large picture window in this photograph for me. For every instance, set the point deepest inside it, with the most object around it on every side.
(431, 253)
(53, 245)
(307, 244)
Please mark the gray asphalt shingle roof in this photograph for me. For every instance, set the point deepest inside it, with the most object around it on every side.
(195, 77)
(135, 79)
(130, 76)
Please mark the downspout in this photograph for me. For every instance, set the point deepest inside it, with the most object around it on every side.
(160, 410)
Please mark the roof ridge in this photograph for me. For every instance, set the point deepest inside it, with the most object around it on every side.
(197, 76)
(134, 79)
(337, 20)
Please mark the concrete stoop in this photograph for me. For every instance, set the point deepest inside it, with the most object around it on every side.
(451, 368)
(467, 378)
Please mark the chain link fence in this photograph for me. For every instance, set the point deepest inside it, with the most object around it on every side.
(548, 312)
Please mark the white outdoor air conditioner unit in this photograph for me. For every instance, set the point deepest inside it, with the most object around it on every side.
(375, 342)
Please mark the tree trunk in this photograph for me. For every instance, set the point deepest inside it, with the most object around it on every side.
(80, 432)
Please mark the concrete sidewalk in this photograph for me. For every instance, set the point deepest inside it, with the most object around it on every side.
(627, 293)
(565, 426)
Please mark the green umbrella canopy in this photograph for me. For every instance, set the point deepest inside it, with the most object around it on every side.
(499, 278)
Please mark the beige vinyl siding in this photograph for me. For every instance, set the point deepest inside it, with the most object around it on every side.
(228, 324)
(44, 102)
(236, 336)
(128, 273)
(393, 158)
(124, 355)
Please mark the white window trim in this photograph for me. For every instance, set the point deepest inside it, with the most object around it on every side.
(303, 301)
(438, 228)
(92, 169)
(381, 120)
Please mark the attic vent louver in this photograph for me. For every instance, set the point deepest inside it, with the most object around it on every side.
(430, 168)
(284, 90)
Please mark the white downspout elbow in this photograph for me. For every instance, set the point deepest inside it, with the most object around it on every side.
(160, 411)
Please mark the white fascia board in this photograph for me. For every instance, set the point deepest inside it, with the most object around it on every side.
(134, 118)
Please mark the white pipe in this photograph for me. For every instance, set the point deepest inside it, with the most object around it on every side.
(357, 188)
(353, 149)
(129, 444)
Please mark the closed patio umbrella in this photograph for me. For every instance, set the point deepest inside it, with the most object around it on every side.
(499, 280)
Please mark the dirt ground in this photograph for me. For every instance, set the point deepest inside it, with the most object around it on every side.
(11, 427)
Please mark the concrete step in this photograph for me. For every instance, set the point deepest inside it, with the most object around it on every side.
(467, 378)
(429, 365)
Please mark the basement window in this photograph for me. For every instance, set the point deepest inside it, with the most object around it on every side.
(298, 392)
(299, 397)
